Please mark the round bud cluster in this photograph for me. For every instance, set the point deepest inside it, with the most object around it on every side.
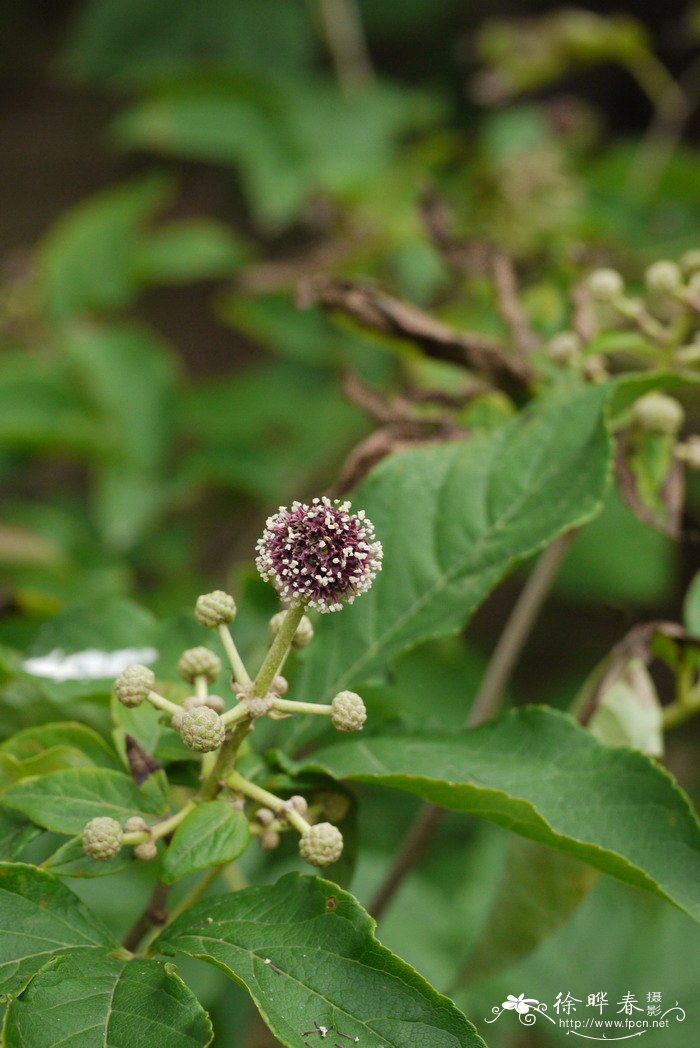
(348, 711)
(304, 633)
(133, 684)
(565, 348)
(334, 806)
(199, 662)
(658, 413)
(664, 278)
(102, 838)
(279, 686)
(319, 554)
(202, 729)
(145, 851)
(605, 285)
(215, 609)
(321, 844)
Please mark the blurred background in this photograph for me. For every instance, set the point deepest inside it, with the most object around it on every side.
(172, 174)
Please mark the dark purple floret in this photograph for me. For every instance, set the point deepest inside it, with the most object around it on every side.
(320, 555)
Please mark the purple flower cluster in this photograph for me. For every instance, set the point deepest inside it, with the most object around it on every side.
(320, 555)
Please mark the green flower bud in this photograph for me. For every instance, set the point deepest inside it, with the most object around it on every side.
(133, 684)
(279, 686)
(658, 413)
(215, 703)
(135, 825)
(334, 806)
(605, 285)
(321, 844)
(304, 632)
(269, 839)
(690, 261)
(215, 609)
(201, 729)
(265, 816)
(564, 348)
(664, 278)
(199, 662)
(145, 851)
(102, 838)
(348, 711)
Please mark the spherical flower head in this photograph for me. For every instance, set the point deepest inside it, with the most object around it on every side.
(215, 609)
(565, 348)
(304, 633)
(202, 729)
(334, 806)
(133, 684)
(199, 662)
(319, 554)
(605, 284)
(658, 413)
(321, 844)
(664, 277)
(102, 838)
(348, 711)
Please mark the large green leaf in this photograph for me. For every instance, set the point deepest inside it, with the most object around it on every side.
(39, 917)
(108, 1001)
(213, 834)
(65, 801)
(32, 742)
(305, 951)
(454, 518)
(537, 773)
(15, 833)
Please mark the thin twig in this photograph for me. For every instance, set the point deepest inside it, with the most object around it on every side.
(154, 915)
(501, 665)
(515, 318)
(345, 38)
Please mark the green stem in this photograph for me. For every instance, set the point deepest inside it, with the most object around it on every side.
(236, 713)
(269, 800)
(292, 706)
(240, 673)
(278, 649)
(680, 711)
(201, 687)
(163, 704)
(160, 829)
(224, 762)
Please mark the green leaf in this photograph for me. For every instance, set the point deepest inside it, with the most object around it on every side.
(34, 741)
(454, 518)
(39, 917)
(15, 833)
(305, 951)
(65, 801)
(537, 773)
(195, 249)
(86, 260)
(213, 834)
(109, 1001)
(539, 890)
(70, 860)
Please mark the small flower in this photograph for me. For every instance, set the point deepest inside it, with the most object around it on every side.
(320, 555)
(520, 1004)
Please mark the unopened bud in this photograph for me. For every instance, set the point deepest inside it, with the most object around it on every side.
(348, 711)
(215, 609)
(304, 631)
(145, 851)
(605, 285)
(321, 844)
(102, 838)
(658, 413)
(269, 839)
(664, 278)
(199, 662)
(202, 729)
(565, 348)
(133, 684)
